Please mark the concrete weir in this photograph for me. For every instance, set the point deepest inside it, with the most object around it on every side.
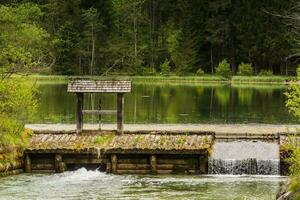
(165, 149)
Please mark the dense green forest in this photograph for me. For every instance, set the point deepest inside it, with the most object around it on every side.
(92, 37)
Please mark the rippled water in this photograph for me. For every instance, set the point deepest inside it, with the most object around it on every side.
(84, 184)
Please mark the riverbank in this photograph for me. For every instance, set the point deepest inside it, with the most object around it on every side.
(217, 128)
(180, 79)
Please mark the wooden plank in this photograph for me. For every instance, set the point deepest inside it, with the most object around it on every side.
(133, 166)
(119, 171)
(82, 160)
(164, 171)
(165, 166)
(99, 86)
(99, 112)
(42, 167)
(134, 161)
(43, 171)
(178, 161)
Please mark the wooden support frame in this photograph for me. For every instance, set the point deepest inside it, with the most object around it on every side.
(153, 164)
(114, 163)
(99, 86)
(120, 112)
(203, 164)
(59, 164)
(27, 163)
(79, 112)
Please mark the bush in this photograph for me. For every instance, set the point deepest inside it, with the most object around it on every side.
(165, 68)
(200, 72)
(149, 71)
(223, 69)
(245, 69)
(298, 72)
(264, 72)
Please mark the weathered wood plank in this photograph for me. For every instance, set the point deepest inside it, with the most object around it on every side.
(119, 171)
(122, 166)
(99, 86)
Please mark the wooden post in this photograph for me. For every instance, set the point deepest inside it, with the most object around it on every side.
(114, 162)
(153, 164)
(120, 111)
(27, 163)
(59, 164)
(79, 112)
(203, 164)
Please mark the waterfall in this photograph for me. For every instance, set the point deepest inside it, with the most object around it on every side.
(244, 157)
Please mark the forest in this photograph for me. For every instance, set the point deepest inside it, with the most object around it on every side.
(149, 37)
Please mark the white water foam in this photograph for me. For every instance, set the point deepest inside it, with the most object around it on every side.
(246, 157)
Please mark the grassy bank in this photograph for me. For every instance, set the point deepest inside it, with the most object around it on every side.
(179, 79)
(261, 79)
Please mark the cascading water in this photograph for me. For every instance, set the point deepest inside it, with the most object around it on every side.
(245, 157)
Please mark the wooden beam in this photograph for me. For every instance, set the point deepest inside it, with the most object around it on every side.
(203, 164)
(153, 163)
(79, 112)
(27, 163)
(114, 162)
(120, 111)
(59, 164)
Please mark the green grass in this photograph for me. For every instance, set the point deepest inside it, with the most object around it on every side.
(261, 79)
(174, 79)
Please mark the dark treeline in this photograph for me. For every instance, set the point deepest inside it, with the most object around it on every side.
(137, 36)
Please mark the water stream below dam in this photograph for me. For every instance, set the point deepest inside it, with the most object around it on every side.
(245, 157)
(87, 184)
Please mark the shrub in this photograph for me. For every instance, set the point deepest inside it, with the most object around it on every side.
(264, 72)
(149, 71)
(223, 69)
(200, 72)
(165, 68)
(245, 69)
(298, 72)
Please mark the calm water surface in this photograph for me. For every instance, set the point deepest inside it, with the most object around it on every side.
(173, 103)
(83, 184)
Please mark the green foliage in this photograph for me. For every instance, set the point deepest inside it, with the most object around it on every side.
(298, 72)
(260, 79)
(293, 100)
(293, 105)
(165, 68)
(265, 73)
(200, 72)
(104, 139)
(223, 69)
(24, 45)
(245, 69)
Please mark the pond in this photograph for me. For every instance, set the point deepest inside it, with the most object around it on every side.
(172, 103)
(84, 184)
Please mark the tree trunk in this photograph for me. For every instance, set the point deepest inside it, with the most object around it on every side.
(135, 36)
(93, 51)
(211, 59)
